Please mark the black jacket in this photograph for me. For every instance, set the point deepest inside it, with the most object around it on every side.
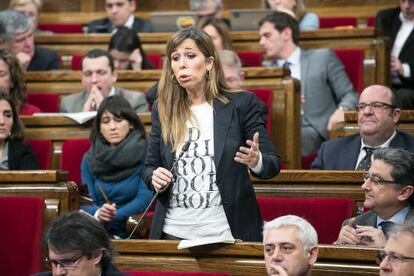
(21, 157)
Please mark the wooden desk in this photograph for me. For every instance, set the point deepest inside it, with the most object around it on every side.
(241, 258)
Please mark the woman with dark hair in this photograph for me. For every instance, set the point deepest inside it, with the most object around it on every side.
(112, 167)
(217, 30)
(126, 50)
(206, 192)
(12, 81)
(14, 154)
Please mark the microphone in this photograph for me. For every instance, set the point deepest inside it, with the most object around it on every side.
(183, 150)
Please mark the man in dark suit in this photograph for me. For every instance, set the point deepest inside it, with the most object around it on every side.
(17, 36)
(388, 188)
(77, 244)
(378, 116)
(119, 13)
(326, 88)
(398, 25)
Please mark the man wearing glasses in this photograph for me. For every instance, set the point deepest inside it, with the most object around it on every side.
(77, 244)
(398, 25)
(398, 255)
(388, 188)
(378, 117)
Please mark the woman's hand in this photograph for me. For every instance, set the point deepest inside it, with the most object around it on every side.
(161, 178)
(249, 155)
(107, 212)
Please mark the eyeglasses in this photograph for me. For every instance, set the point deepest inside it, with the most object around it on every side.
(375, 106)
(67, 264)
(377, 180)
(392, 257)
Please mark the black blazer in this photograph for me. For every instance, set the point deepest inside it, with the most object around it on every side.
(44, 59)
(234, 123)
(21, 157)
(342, 153)
(104, 25)
(389, 22)
(110, 271)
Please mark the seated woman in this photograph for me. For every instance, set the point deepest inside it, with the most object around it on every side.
(31, 8)
(12, 81)
(126, 49)
(217, 30)
(14, 154)
(112, 167)
(307, 20)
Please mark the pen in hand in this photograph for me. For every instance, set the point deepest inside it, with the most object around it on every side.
(103, 194)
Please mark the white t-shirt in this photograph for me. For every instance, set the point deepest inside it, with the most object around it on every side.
(195, 208)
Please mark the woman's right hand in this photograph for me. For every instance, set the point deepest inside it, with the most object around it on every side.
(107, 212)
(161, 178)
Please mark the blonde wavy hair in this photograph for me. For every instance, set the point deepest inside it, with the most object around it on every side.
(173, 102)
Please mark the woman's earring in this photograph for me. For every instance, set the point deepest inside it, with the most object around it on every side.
(207, 74)
(174, 80)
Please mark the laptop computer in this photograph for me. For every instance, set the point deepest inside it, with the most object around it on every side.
(246, 19)
(172, 21)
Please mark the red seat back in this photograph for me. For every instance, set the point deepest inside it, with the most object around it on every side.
(265, 95)
(325, 214)
(155, 59)
(353, 60)
(47, 102)
(43, 151)
(250, 58)
(72, 153)
(63, 28)
(332, 22)
(171, 273)
(20, 235)
(371, 21)
(76, 62)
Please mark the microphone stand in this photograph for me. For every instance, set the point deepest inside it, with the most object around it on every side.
(157, 191)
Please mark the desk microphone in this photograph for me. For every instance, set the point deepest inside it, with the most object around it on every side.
(183, 150)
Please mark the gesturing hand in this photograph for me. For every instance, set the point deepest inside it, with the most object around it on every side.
(249, 155)
(161, 178)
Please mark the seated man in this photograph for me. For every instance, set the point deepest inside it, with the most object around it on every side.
(120, 13)
(398, 25)
(98, 78)
(209, 8)
(16, 34)
(397, 259)
(290, 246)
(388, 189)
(326, 88)
(77, 244)
(378, 117)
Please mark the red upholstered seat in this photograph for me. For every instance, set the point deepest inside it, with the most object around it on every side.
(47, 102)
(63, 28)
(171, 273)
(332, 22)
(307, 161)
(155, 59)
(43, 151)
(76, 62)
(325, 214)
(371, 21)
(353, 60)
(265, 95)
(250, 58)
(72, 154)
(20, 235)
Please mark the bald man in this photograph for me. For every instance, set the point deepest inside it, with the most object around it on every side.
(378, 115)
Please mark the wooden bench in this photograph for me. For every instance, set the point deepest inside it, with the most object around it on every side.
(59, 195)
(376, 63)
(285, 106)
(350, 126)
(313, 183)
(241, 258)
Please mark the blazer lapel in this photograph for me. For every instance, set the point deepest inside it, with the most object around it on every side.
(349, 154)
(397, 141)
(223, 114)
(304, 67)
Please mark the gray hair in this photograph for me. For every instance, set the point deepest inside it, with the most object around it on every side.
(13, 22)
(407, 227)
(196, 5)
(307, 233)
(230, 58)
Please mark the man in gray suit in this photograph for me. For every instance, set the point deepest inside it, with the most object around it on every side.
(389, 197)
(98, 77)
(326, 88)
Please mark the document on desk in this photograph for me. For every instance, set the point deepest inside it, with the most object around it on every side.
(210, 240)
(79, 117)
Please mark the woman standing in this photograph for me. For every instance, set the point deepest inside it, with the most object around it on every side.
(113, 166)
(208, 192)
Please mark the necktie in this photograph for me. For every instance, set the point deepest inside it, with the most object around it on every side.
(286, 64)
(366, 161)
(386, 227)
